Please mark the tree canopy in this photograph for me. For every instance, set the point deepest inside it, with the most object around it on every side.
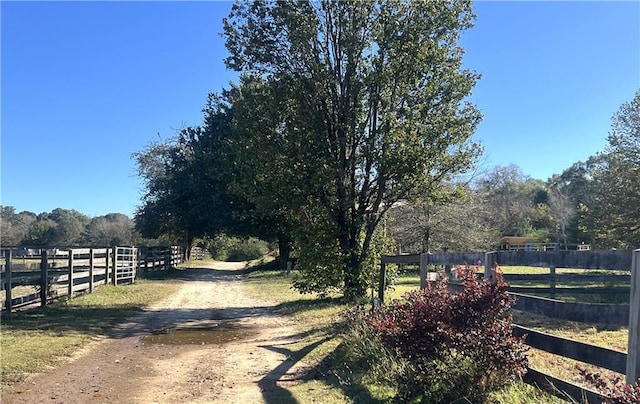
(611, 214)
(64, 228)
(344, 110)
(362, 103)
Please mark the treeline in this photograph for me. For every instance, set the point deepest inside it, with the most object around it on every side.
(328, 127)
(70, 228)
(66, 227)
(592, 202)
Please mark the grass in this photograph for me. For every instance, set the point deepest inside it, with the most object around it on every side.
(595, 334)
(332, 375)
(523, 393)
(35, 340)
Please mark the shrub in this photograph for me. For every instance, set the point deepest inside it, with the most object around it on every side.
(614, 391)
(362, 363)
(459, 344)
(247, 249)
(225, 248)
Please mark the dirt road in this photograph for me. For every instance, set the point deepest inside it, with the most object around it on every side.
(209, 342)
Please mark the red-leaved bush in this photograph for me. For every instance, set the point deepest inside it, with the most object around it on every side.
(613, 392)
(458, 343)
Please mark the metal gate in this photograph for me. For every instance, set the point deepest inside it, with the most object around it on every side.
(125, 264)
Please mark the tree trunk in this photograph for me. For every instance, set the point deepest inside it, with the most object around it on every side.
(188, 241)
(284, 251)
(354, 287)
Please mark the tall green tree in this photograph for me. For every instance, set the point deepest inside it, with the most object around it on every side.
(14, 226)
(253, 147)
(196, 186)
(612, 215)
(366, 102)
(175, 202)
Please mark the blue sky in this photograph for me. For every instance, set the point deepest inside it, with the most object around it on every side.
(85, 84)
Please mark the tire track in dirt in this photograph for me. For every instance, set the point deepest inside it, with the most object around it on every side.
(137, 362)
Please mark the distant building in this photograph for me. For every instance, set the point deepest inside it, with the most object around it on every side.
(516, 243)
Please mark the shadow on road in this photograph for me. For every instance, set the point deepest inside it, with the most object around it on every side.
(125, 320)
(271, 392)
(274, 394)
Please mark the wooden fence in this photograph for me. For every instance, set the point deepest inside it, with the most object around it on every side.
(199, 253)
(154, 259)
(31, 278)
(620, 362)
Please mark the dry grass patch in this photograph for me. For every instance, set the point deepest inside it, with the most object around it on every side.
(564, 368)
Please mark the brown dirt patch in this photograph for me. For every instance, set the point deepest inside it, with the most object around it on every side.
(208, 342)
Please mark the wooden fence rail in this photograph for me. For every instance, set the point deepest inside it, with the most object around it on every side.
(199, 253)
(607, 358)
(81, 269)
(154, 259)
(595, 355)
(63, 273)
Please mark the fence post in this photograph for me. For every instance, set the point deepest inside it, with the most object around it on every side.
(139, 269)
(114, 274)
(424, 264)
(490, 263)
(91, 259)
(70, 287)
(633, 347)
(134, 266)
(552, 281)
(106, 266)
(7, 282)
(167, 258)
(44, 277)
(146, 265)
(382, 281)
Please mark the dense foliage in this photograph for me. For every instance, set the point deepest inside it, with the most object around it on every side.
(64, 228)
(225, 248)
(201, 184)
(614, 391)
(593, 202)
(349, 107)
(450, 346)
(611, 215)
